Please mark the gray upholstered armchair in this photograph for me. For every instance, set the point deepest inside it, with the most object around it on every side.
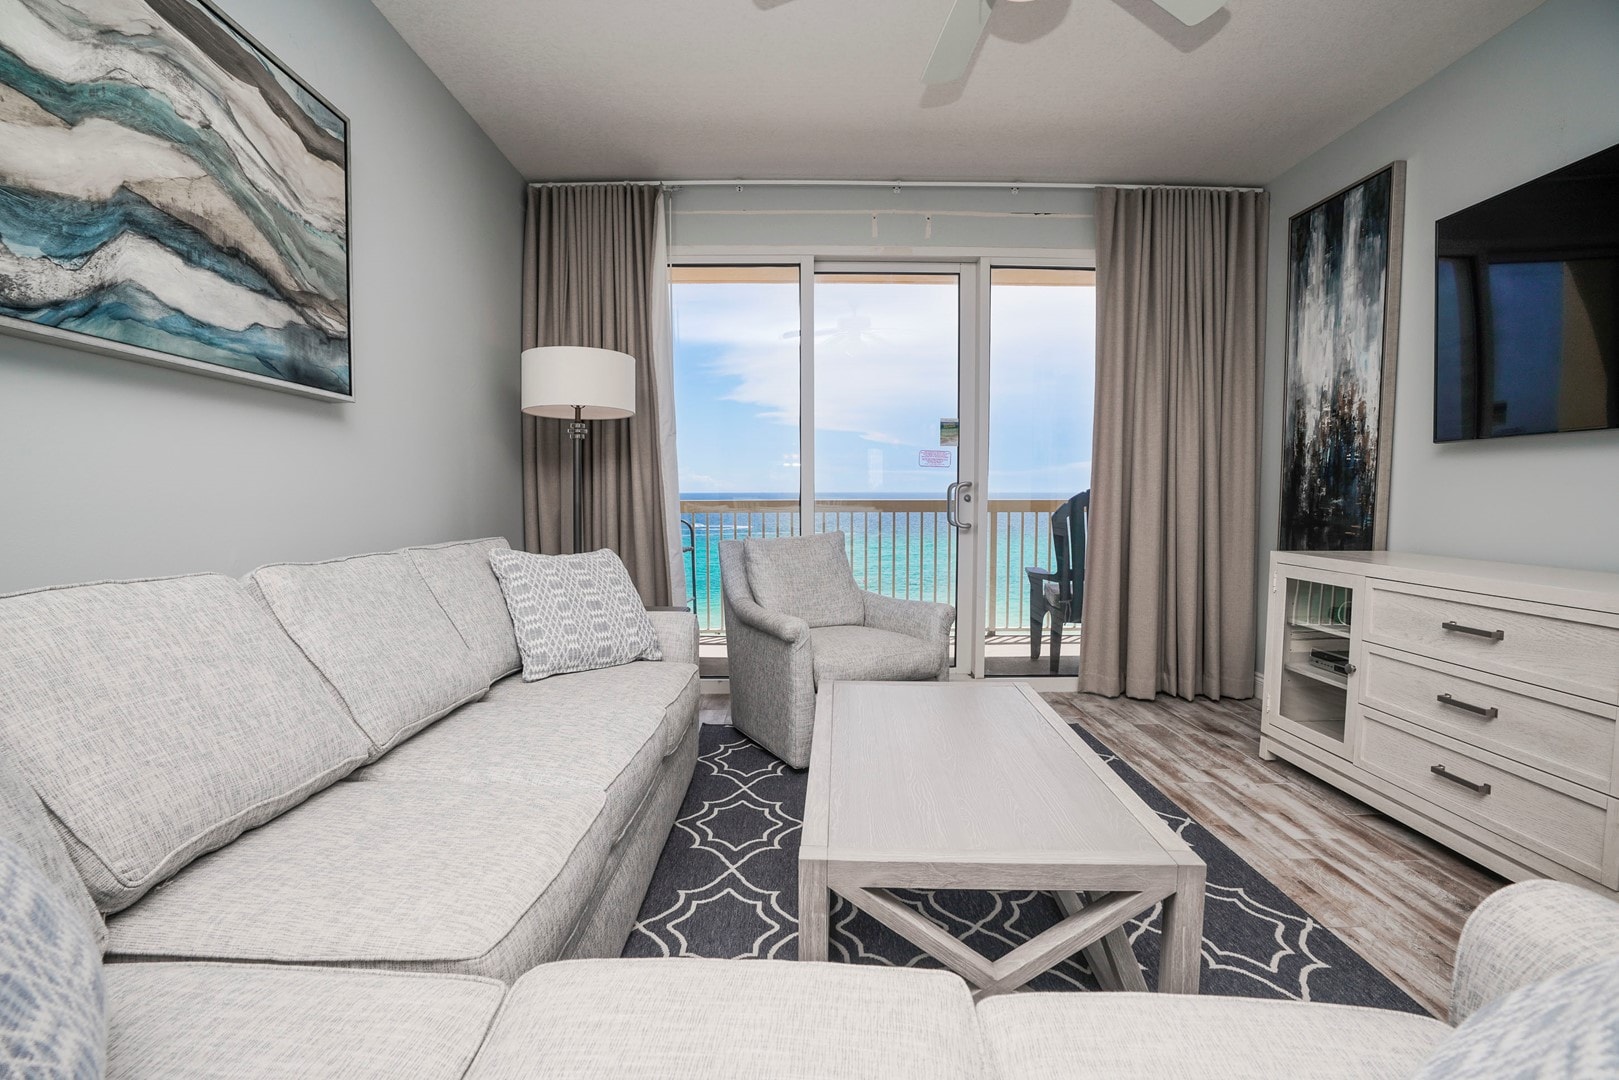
(796, 620)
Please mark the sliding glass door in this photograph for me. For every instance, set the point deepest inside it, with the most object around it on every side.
(935, 413)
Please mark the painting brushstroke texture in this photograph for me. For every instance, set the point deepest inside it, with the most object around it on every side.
(1340, 257)
(166, 186)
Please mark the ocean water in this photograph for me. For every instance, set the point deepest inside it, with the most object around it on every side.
(894, 550)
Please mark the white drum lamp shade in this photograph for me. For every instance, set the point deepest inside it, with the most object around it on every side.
(560, 379)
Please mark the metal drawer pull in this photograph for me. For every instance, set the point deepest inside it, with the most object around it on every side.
(1471, 785)
(1478, 710)
(1458, 628)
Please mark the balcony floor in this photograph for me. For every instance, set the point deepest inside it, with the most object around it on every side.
(1006, 655)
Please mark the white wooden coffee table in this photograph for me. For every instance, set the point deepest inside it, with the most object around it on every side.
(982, 786)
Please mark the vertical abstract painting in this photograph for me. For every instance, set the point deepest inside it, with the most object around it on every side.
(1343, 300)
(171, 193)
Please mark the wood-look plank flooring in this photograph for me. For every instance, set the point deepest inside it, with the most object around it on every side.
(1396, 897)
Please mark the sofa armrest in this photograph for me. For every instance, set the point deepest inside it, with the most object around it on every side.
(1529, 932)
(677, 634)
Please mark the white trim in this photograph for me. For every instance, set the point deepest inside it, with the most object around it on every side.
(1007, 185)
(663, 390)
(768, 255)
(806, 394)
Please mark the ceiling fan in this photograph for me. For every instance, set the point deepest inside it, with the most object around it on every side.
(965, 26)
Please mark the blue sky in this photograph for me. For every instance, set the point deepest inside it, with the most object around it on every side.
(885, 377)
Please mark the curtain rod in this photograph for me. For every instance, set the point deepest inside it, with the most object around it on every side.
(1005, 184)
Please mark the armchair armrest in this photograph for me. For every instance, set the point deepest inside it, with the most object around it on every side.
(788, 629)
(677, 634)
(913, 618)
(1525, 933)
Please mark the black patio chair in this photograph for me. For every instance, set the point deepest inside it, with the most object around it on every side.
(1060, 593)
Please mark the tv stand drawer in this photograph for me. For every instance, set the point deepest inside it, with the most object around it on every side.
(1564, 649)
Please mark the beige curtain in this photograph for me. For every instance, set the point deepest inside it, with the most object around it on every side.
(1169, 580)
(589, 269)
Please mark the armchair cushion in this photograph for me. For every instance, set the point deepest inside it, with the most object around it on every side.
(864, 653)
(807, 577)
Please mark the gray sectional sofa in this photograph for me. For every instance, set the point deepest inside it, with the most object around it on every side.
(188, 737)
(307, 824)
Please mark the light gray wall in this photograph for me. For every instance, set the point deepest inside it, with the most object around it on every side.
(1543, 93)
(112, 468)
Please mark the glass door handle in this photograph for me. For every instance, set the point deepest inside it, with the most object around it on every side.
(959, 491)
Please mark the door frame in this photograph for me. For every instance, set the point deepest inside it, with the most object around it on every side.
(974, 371)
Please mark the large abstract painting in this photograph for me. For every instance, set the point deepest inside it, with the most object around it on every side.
(1343, 300)
(170, 192)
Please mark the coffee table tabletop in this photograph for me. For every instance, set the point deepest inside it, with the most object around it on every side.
(972, 785)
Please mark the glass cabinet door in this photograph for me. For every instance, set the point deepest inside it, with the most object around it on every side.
(1311, 657)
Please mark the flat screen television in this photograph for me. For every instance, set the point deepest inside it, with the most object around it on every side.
(1526, 331)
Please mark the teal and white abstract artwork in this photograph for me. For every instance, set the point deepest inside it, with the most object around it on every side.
(171, 193)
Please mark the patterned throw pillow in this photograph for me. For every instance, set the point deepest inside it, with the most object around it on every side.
(1565, 1026)
(573, 612)
(53, 1013)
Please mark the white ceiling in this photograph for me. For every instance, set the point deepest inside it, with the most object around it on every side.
(1068, 90)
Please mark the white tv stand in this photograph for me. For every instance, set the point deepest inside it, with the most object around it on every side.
(1477, 702)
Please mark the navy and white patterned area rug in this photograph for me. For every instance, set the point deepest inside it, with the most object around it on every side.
(727, 886)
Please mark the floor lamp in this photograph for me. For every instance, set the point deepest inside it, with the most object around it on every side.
(570, 382)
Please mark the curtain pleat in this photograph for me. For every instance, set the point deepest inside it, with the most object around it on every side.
(589, 271)
(1169, 580)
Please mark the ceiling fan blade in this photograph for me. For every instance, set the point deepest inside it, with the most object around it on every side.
(957, 41)
(1191, 12)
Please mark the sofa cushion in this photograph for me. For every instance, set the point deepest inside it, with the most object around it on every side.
(668, 686)
(1567, 1025)
(695, 1019)
(23, 821)
(614, 742)
(52, 1019)
(1060, 1036)
(157, 720)
(251, 1021)
(862, 653)
(807, 577)
(573, 612)
(374, 629)
(466, 588)
(437, 876)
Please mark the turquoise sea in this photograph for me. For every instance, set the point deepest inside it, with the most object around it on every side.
(894, 549)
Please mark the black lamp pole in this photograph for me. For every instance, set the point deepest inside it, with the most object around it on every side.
(577, 431)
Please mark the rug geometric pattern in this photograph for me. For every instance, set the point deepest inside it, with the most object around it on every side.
(727, 886)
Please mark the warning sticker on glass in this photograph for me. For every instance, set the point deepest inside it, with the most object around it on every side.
(935, 459)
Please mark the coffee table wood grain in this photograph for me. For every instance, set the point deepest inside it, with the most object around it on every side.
(971, 785)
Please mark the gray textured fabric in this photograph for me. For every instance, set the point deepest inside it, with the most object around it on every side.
(53, 1020)
(1115, 1036)
(608, 922)
(1566, 1026)
(573, 612)
(1180, 318)
(670, 686)
(1525, 933)
(772, 673)
(591, 271)
(677, 635)
(615, 750)
(466, 588)
(862, 653)
(807, 577)
(257, 1022)
(374, 629)
(23, 822)
(159, 719)
(777, 659)
(480, 879)
(726, 1020)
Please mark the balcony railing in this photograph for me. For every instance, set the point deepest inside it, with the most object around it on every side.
(897, 547)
